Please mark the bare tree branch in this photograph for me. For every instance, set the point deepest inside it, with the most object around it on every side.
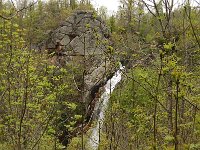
(17, 11)
(147, 6)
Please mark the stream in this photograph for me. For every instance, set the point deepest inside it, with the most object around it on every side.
(101, 107)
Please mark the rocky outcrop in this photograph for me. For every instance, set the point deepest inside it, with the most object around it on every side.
(83, 29)
(82, 40)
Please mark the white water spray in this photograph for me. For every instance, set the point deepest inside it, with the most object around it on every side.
(102, 106)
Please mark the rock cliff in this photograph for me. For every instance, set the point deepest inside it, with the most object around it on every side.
(82, 40)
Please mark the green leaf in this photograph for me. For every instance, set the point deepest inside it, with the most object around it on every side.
(168, 46)
(72, 106)
(169, 138)
(77, 117)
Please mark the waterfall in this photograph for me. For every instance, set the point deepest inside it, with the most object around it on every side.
(101, 107)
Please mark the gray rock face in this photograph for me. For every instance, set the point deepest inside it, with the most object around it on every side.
(83, 38)
(65, 40)
(81, 28)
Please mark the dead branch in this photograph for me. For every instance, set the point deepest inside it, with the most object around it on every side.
(17, 11)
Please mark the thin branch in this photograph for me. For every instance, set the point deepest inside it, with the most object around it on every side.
(190, 20)
(13, 5)
(191, 103)
(147, 6)
(18, 11)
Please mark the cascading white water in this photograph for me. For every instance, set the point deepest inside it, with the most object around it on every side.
(102, 106)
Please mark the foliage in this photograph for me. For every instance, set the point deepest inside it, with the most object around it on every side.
(156, 105)
(33, 92)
